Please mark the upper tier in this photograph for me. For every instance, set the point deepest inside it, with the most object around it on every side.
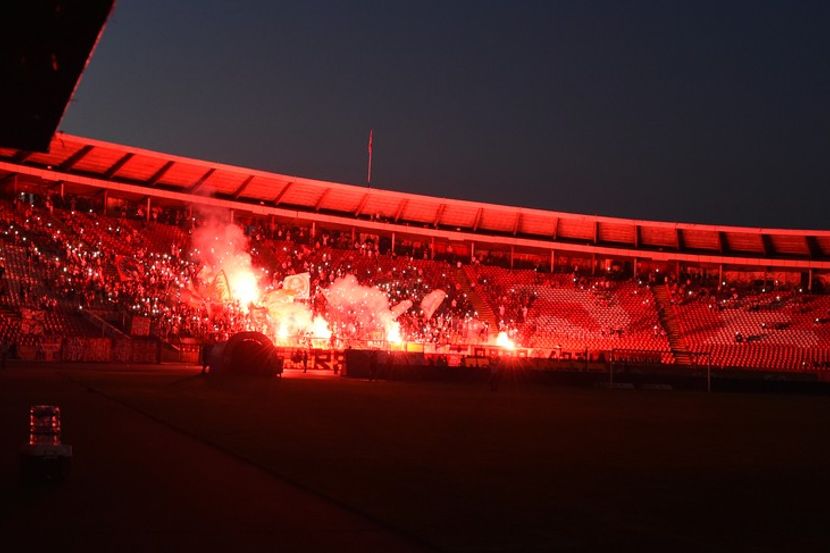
(137, 173)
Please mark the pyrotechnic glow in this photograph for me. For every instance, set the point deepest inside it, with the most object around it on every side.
(221, 247)
(393, 333)
(502, 340)
(363, 310)
(244, 287)
(284, 308)
(320, 328)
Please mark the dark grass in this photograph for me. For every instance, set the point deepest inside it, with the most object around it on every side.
(524, 468)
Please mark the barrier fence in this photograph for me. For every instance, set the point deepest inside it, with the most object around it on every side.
(91, 350)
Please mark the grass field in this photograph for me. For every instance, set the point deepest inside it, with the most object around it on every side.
(463, 468)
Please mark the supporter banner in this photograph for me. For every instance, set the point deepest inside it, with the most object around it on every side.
(328, 360)
(27, 352)
(73, 349)
(299, 285)
(139, 326)
(145, 351)
(51, 348)
(431, 302)
(97, 349)
(259, 315)
(187, 354)
(122, 350)
(87, 349)
(125, 350)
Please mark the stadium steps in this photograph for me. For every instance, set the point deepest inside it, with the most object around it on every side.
(482, 307)
(668, 318)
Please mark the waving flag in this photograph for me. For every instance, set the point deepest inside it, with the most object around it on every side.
(221, 286)
(299, 285)
(431, 302)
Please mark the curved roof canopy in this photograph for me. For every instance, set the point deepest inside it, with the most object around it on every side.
(139, 173)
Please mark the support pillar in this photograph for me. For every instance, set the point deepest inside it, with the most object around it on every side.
(720, 274)
(553, 261)
(149, 207)
(512, 255)
(313, 230)
(809, 280)
(106, 199)
(634, 268)
(432, 248)
(472, 252)
(62, 189)
(393, 242)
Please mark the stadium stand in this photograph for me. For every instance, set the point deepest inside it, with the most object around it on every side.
(104, 246)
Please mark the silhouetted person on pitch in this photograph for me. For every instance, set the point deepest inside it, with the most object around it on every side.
(495, 373)
(206, 348)
(373, 365)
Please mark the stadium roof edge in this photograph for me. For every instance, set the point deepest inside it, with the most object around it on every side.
(410, 195)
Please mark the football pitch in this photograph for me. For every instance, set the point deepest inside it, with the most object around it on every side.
(162, 452)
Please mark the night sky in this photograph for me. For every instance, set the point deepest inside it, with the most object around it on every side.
(711, 112)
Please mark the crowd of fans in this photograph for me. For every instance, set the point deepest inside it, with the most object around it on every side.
(108, 266)
(132, 264)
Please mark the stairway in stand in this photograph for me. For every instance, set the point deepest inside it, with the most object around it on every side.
(482, 306)
(668, 318)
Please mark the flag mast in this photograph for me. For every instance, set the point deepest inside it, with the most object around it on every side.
(369, 172)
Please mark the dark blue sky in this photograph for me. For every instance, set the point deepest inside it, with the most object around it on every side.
(713, 112)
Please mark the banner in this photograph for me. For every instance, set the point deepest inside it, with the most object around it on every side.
(73, 349)
(87, 349)
(97, 349)
(431, 302)
(51, 348)
(299, 285)
(139, 326)
(122, 350)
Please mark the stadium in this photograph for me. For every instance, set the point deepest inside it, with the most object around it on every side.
(205, 356)
(109, 240)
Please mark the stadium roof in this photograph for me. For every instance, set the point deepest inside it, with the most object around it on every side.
(140, 173)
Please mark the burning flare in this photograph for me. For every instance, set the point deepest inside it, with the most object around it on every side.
(221, 248)
(504, 341)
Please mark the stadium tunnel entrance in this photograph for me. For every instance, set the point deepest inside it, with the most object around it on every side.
(246, 353)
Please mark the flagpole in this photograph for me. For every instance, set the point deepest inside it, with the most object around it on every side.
(369, 172)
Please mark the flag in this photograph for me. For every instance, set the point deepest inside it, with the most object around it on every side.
(369, 172)
(221, 287)
(299, 285)
(431, 302)
(401, 308)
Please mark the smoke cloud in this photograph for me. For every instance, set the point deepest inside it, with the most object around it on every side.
(222, 247)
